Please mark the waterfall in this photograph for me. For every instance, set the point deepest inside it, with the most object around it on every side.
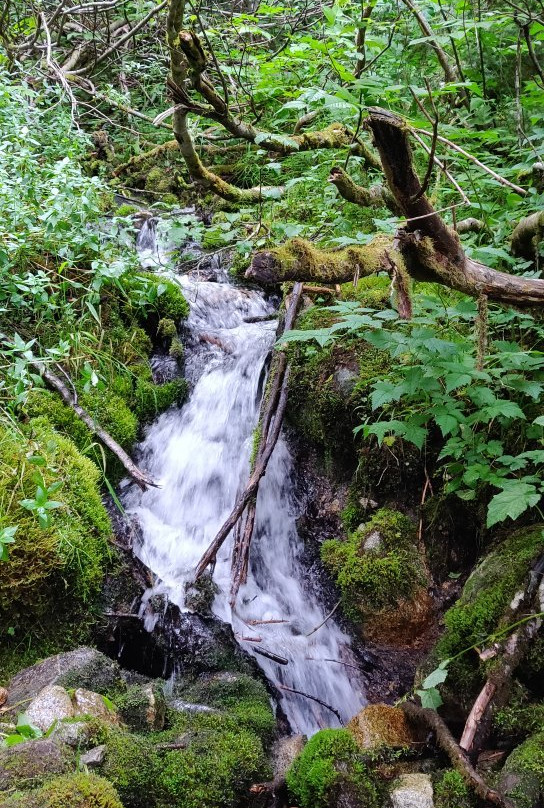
(200, 456)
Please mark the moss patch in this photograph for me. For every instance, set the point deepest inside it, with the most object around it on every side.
(451, 791)
(72, 791)
(329, 768)
(377, 566)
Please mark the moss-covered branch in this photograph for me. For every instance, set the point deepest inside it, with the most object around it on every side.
(375, 196)
(527, 235)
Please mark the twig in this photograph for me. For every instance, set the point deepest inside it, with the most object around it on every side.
(330, 614)
(455, 147)
(313, 698)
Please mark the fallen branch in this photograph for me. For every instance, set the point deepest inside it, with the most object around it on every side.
(527, 236)
(269, 655)
(140, 477)
(313, 698)
(426, 247)
(449, 745)
(375, 196)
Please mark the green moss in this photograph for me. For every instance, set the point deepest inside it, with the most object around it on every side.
(489, 590)
(65, 561)
(167, 329)
(160, 181)
(451, 791)
(240, 696)
(215, 771)
(331, 765)
(126, 210)
(380, 576)
(526, 769)
(131, 765)
(73, 791)
(151, 399)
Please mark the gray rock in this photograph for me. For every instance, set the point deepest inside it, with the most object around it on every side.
(345, 380)
(373, 541)
(412, 791)
(28, 764)
(94, 757)
(181, 706)
(51, 704)
(521, 778)
(84, 667)
(72, 733)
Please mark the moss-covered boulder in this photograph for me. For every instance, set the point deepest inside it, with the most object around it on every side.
(131, 764)
(242, 697)
(330, 771)
(484, 601)
(142, 707)
(382, 578)
(222, 760)
(83, 667)
(522, 777)
(64, 561)
(30, 763)
(380, 726)
(71, 791)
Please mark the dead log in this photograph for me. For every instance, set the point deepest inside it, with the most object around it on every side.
(313, 698)
(426, 246)
(275, 403)
(459, 761)
(140, 477)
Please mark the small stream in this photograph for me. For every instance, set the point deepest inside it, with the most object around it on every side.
(199, 454)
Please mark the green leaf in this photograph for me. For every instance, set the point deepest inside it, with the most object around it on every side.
(435, 678)
(430, 699)
(512, 502)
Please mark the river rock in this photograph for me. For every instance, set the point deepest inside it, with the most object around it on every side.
(86, 702)
(28, 764)
(284, 751)
(345, 380)
(51, 704)
(379, 725)
(412, 791)
(94, 757)
(143, 707)
(84, 667)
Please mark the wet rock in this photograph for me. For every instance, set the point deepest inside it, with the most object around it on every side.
(284, 751)
(412, 791)
(379, 725)
(51, 704)
(28, 764)
(84, 667)
(86, 702)
(403, 626)
(94, 757)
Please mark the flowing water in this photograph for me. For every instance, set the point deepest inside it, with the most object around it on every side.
(199, 454)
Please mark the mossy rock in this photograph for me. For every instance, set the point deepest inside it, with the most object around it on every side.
(330, 771)
(222, 760)
(65, 561)
(131, 765)
(151, 399)
(484, 600)
(142, 707)
(31, 763)
(522, 777)
(382, 577)
(71, 791)
(240, 696)
(381, 726)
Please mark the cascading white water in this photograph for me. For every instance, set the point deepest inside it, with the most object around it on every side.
(200, 456)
